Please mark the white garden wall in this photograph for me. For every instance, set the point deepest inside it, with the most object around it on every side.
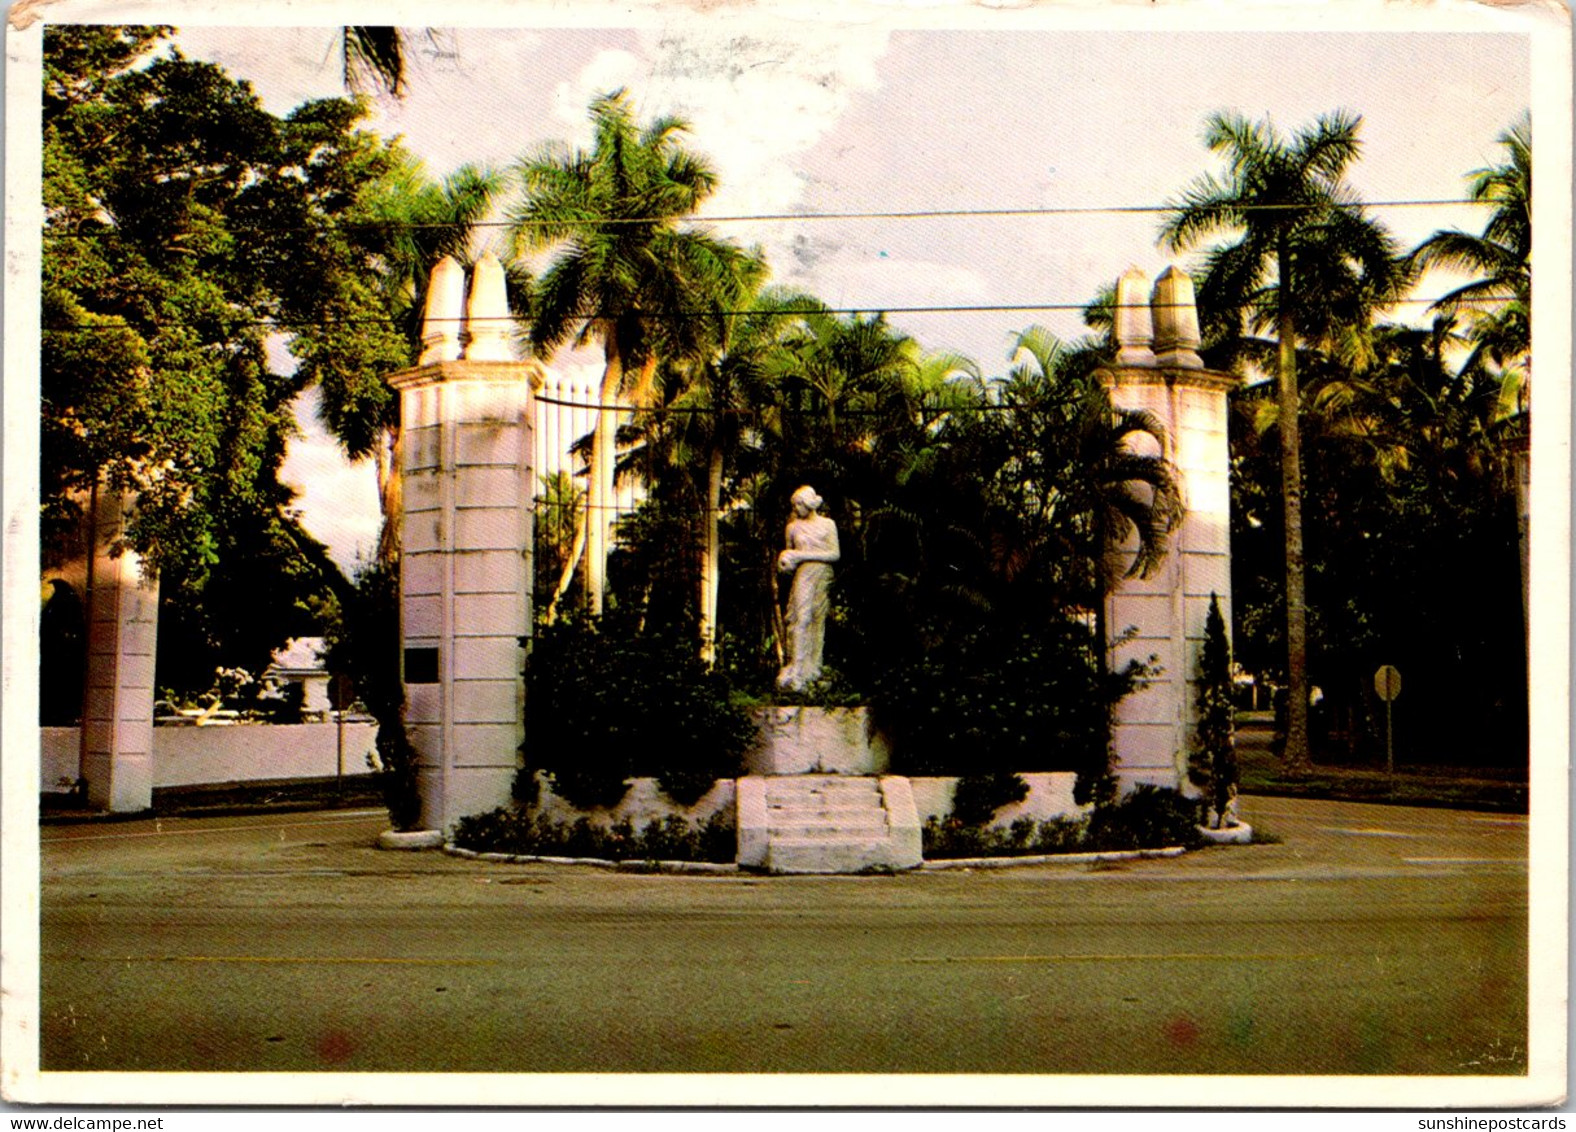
(644, 803)
(210, 756)
(60, 750)
(1050, 796)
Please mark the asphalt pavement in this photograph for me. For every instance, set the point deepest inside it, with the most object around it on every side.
(1367, 940)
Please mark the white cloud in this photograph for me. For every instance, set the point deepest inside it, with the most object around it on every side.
(757, 100)
(608, 70)
(338, 500)
(754, 99)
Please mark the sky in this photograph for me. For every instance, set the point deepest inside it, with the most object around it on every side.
(811, 116)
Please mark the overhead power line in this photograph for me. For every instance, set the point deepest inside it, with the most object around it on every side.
(981, 308)
(782, 217)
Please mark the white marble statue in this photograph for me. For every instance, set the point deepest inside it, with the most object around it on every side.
(811, 550)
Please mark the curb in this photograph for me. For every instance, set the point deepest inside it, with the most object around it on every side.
(627, 865)
(712, 868)
(1051, 859)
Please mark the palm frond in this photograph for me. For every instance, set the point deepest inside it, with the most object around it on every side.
(374, 57)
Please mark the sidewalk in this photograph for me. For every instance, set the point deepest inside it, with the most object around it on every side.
(225, 799)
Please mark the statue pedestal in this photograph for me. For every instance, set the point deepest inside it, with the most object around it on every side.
(814, 740)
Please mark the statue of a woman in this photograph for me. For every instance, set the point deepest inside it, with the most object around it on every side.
(812, 548)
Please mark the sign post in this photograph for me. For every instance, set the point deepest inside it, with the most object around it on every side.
(341, 693)
(1387, 683)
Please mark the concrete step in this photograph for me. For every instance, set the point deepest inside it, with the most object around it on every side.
(813, 855)
(825, 783)
(866, 788)
(827, 823)
(826, 830)
(831, 809)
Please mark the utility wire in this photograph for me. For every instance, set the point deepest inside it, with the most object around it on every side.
(982, 308)
(779, 217)
(940, 409)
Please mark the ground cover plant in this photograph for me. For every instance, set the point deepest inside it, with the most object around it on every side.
(1149, 817)
(674, 838)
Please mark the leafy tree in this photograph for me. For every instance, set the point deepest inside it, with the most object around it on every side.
(182, 223)
(1412, 497)
(1304, 254)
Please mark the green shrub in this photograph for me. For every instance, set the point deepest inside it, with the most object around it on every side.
(395, 771)
(831, 689)
(979, 796)
(1148, 818)
(951, 838)
(1212, 763)
(608, 703)
(1001, 703)
(509, 830)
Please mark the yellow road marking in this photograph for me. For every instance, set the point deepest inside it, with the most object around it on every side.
(300, 959)
(1464, 860)
(1367, 832)
(1183, 957)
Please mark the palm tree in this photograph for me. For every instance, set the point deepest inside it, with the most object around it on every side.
(1305, 260)
(847, 391)
(375, 57)
(1084, 476)
(405, 223)
(1499, 300)
(718, 406)
(626, 278)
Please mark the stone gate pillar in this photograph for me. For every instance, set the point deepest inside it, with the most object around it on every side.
(122, 631)
(1158, 369)
(465, 540)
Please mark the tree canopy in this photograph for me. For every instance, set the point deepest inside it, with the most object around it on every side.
(183, 225)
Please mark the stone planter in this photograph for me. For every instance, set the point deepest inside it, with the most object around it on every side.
(814, 740)
(410, 839)
(1239, 834)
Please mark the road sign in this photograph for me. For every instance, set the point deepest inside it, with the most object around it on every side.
(1387, 682)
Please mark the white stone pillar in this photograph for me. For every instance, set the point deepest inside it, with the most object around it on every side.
(1153, 728)
(441, 317)
(122, 632)
(1131, 323)
(487, 313)
(465, 581)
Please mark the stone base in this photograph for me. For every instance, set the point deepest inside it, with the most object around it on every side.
(1239, 834)
(411, 839)
(814, 740)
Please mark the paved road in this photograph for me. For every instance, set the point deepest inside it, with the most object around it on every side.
(1370, 940)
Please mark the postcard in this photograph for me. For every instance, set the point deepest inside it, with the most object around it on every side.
(786, 554)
